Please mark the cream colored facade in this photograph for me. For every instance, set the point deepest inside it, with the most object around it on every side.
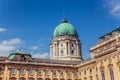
(104, 63)
(69, 45)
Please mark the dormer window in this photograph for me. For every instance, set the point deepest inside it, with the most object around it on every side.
(22, 58)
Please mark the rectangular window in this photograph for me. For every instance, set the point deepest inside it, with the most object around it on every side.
(22, 71)
(31, 72)
(39, 72)
(13, 71)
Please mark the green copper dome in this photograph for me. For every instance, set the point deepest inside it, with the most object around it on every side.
(65, 28)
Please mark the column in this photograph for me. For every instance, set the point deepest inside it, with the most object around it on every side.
(51, 74)
(106, 71)
(18, 74)
(5, 72)
(58, 75)
(43, 74)
(7, 76)
(77, 49)
(57, 50)
(36, 74)
(68, 48)
(27, 74)
(99, 72)
(72, 75)
(115, 70)
(94, 73)
(65, 72)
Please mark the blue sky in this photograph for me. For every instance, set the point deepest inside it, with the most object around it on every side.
(29, 24)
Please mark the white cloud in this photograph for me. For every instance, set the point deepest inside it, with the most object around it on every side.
(114, 7)
(7, 46)
(41, 55)
(34, 47)
(2, 29)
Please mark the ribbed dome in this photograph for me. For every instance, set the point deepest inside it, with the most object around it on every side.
(65, 28)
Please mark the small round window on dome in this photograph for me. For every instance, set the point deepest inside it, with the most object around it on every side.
(72, 45)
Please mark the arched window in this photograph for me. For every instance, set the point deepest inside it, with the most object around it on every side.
(54, 73)
(72, 52)
(84, 72)
(96, 69)
(13, 71)
(39, 72)
(103, 75)
(61, 73)
(111, 74)
(22, 71)
(31, 72)
(90, 70)
(61, 52)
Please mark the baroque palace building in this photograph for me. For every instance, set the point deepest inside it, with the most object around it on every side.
(66, 62)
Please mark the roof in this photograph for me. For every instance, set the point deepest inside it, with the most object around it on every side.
(2, 58)
(110, 33)
(65, 28)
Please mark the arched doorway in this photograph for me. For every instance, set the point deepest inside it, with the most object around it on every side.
(22, 78)
(55, 79)
(31, 78)
(39, 79)
(13, 78)
(62, 79)
(47, 79)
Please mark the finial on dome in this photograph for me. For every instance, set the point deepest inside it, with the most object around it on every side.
(64, 20)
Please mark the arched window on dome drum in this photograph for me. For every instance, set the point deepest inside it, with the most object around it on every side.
(72, 52)
(61, 52)
(111, 74)
(102, 75)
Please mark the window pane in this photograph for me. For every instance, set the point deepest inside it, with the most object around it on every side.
(13, 71)
(31, 72)
(111, 74)
(22, 71)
